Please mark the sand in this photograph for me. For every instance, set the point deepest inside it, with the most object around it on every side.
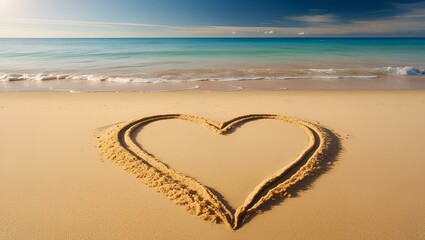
(382, 83)
(119, 146)
(55, 184)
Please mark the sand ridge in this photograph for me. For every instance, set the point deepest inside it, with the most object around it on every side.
(118, 145)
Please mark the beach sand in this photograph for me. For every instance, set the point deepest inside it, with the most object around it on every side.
(55, 184)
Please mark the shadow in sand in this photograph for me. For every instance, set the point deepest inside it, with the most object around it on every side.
(276, 189)
(324, 166)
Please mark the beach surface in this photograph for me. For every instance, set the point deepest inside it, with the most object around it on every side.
(56, 185)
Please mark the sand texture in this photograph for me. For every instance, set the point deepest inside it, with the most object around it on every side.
(54, 184)
(119, 146)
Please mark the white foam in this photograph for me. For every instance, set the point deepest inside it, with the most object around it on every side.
(139, 80)
(329, 70)
(122, 79)
(287, 78)
(409, 71)
(313, 73)
(119, 79)
(61, 77)
(153, 80)
(10, 77)
(46, 77)
(94, 78)
(229, 79)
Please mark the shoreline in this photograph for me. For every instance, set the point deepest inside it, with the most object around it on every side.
(382, 83)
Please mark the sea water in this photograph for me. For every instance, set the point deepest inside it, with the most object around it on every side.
(185, 62)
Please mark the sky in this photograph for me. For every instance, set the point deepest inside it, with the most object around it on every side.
(211, 18)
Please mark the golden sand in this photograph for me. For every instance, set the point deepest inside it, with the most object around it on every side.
(118, 145)
(54, 184)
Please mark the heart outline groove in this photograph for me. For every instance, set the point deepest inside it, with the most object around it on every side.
(119, 146)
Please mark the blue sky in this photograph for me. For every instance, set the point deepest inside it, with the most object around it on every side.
(210, 18)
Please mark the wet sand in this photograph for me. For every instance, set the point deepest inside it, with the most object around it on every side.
(383, 82)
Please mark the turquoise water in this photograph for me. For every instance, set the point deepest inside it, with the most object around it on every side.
(209, 59)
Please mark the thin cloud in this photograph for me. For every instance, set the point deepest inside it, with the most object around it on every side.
(409, 21)
(76, 23)
(315, 18)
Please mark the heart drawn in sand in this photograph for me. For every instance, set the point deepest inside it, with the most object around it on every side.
(119, 145)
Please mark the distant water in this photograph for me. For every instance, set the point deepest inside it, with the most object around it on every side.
(208, 59)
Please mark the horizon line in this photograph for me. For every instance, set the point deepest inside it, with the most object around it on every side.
(216, 37)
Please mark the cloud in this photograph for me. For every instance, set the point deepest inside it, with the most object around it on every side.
(411, 10)
(314, 18)
(410, 21)
(75, 23)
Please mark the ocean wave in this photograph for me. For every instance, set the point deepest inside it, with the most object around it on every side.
(403, 71)
(91, 78)
(130, 79)
(409, 71)
(47, 77)
(220, 75)
(10, 77)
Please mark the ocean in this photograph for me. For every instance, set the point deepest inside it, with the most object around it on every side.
(187, 63)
